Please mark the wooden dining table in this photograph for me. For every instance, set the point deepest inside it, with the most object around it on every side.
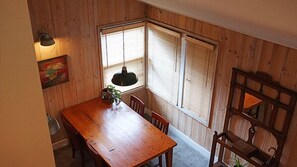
(121, 136)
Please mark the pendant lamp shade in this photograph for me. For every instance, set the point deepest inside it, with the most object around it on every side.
(46, 39)
(124, 78)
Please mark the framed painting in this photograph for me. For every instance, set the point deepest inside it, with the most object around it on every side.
(53, 71)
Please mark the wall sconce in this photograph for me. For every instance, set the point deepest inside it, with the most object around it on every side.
(46, 39)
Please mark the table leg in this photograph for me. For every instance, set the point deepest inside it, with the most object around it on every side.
(168, 156)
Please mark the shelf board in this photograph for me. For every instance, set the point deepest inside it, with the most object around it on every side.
(245, 148)
(219, 164)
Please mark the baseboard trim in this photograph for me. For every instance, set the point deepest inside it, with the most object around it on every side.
(192, 143)
(60, 144)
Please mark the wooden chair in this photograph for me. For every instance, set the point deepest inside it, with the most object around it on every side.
(99, 162)
(162, 124)
(75, 139)
(137, 105)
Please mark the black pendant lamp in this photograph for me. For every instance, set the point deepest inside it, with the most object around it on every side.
(124, 78)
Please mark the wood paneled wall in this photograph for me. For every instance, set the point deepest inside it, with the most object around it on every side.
(235, 50)
(73, 24)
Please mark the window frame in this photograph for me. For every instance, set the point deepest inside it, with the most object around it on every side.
(182, 55)
(111, 28)
(209, 46)
(175, 33)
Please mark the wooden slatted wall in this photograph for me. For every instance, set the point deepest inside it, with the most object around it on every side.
(236, 50)
(73, 24)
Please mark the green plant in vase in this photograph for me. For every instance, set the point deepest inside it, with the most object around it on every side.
(111, 94)
(116, 94)
(237, 162)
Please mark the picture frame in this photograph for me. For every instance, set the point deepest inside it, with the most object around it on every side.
(53, 71)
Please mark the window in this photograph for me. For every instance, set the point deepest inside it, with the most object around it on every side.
(112, 53)
(163, 62)
(181, 70)
(199, 78)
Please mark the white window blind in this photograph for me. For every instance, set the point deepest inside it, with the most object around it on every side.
(163, 62)
(112, 53)
(199, 78)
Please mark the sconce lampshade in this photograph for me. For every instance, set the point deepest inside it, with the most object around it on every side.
(53, 125)
(124, 78)
(46, 39)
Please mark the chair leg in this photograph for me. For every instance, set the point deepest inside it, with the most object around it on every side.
(160, 161)
(98, 162)
(73, 149)
(82, 155)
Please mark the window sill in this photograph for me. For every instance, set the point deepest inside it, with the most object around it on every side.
(194, 116)
(188, 112)
(133, 90)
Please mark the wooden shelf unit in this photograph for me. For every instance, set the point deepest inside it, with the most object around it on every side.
(228, 139)
(250, 89)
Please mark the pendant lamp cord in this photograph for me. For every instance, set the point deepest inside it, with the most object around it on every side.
(123, 33)
(124, 46)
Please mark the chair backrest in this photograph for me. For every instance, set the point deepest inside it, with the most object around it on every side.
(98, 160)
(68, 127)
(137, 105)
(160, 122)
(72, 133)
(92, 151)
